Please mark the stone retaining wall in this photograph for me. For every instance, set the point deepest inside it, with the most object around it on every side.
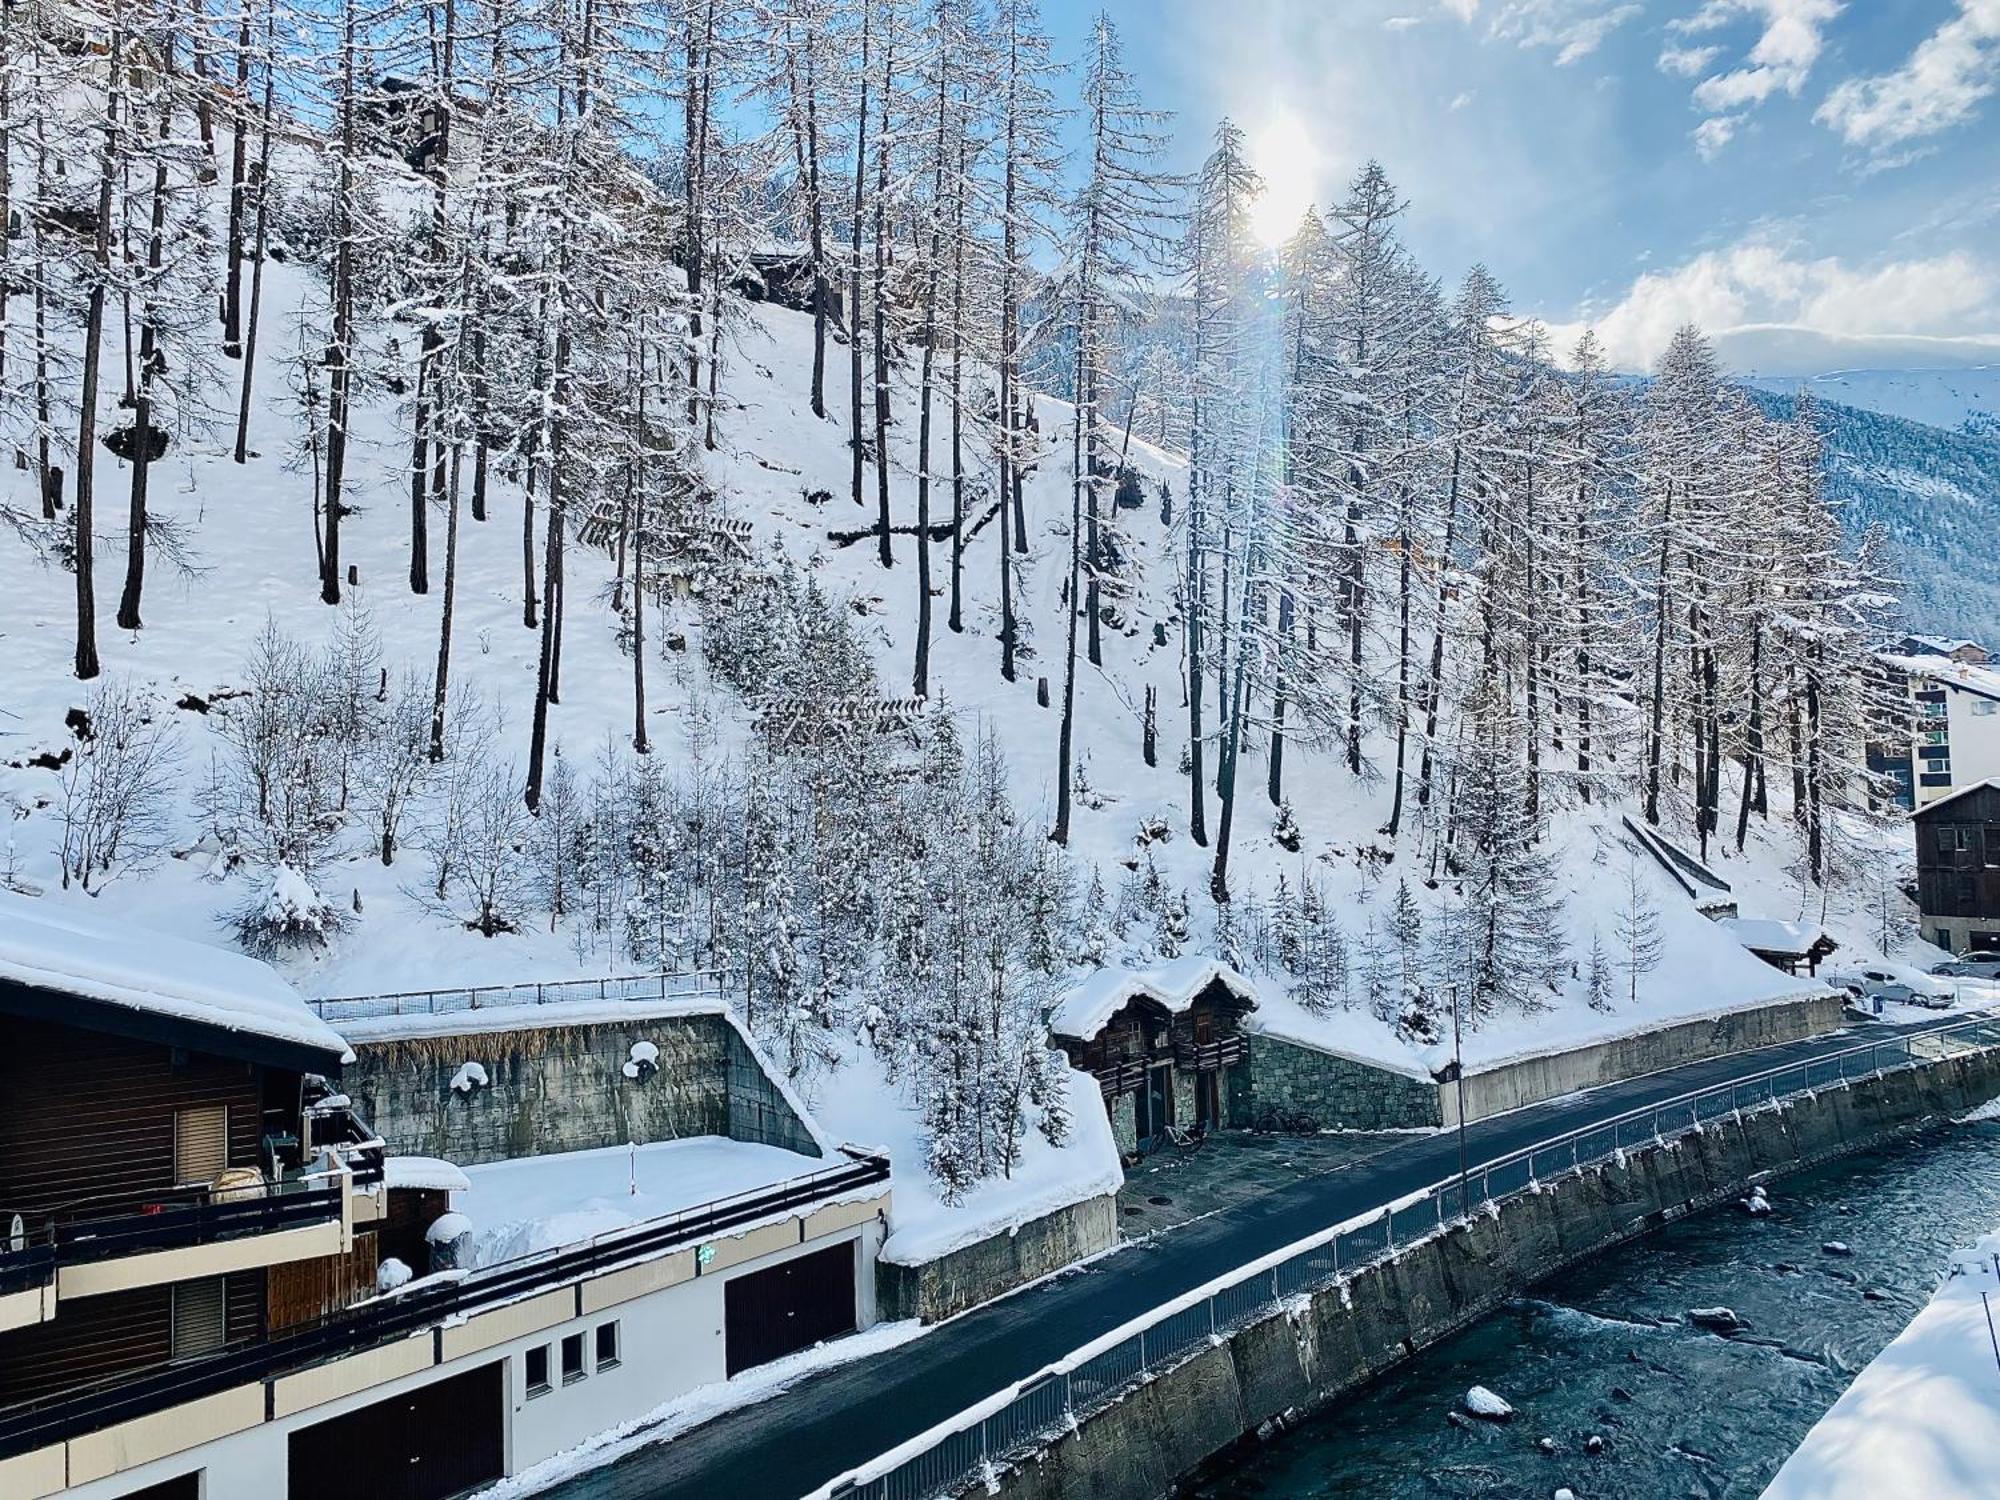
(1335, 1092)
(1530, 1080)
(552, 1088)
(936, 1289)
(1332, 1342)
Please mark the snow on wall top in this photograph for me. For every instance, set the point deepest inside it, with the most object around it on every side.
(425, 1172)
(1084, 1010)
(47, 947)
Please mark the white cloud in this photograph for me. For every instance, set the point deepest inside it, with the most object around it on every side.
(1686, 62)
(1942, 85)
(1401, 23)
(1763, 283)
(1712, 134)
(1572, 28)
(1463, 101)
(1792, 37)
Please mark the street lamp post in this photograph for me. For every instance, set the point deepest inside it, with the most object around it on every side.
(1458, 1072)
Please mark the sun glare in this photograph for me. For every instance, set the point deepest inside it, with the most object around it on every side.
(1284, 156)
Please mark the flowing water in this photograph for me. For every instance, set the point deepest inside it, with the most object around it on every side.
(1606, 1350)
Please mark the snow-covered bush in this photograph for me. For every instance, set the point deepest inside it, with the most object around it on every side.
(288, 916)
(116, 784)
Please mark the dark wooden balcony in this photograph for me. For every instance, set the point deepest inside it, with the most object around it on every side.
(1208, 1057)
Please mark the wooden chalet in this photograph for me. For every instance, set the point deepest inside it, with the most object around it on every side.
(175, 1173)
(1958, 869)
(1164, 1044)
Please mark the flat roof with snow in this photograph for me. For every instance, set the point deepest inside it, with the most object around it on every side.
(57, 964)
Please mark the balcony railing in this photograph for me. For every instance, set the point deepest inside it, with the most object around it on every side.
(103, 1228)
(1207, 1057)
(69, 1414)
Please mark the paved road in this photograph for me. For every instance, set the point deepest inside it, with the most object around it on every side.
(793, 1443)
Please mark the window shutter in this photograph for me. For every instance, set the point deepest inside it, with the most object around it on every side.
(197, 1317)
(201, 1143)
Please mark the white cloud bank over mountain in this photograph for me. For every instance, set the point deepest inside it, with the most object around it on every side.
(1773, 310)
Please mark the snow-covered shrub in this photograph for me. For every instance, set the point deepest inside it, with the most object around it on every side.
(469, 1079)
(289, 916)
(643, 1062)
(391, 1274)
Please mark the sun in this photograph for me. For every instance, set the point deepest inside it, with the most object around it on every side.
(1286, 158)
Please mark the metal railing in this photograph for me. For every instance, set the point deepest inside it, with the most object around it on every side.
(963, 1449)
(686, 984)
(72, 1413)
(172, 1218)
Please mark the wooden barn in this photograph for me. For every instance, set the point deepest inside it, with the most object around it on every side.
(1164, 1044)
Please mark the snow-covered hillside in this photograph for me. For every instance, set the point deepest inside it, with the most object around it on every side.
(1948, 396)
(799, 820)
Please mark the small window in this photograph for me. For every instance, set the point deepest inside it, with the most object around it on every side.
(197, 1326)
(538, 1370)
(607, 1346)
(572, 1359)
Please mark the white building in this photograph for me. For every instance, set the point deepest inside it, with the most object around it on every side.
(1954, 696)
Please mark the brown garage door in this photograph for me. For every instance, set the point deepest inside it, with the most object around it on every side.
(769, 1314)
(439, 1440)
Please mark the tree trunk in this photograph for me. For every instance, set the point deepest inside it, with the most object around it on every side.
(93, 353)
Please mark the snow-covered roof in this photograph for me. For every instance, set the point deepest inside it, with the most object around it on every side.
(1085, 1009)
(425, 1172)
(1984, 681)
(53, 949)
(1955, 793)
(1771, 935)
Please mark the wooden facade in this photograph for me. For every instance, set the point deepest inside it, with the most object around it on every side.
(87, 1115)
(125, 1130)
(1958, 869)
(1158, 1068)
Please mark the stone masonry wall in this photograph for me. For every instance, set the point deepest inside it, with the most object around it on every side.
(936, 1289)
(1337, 1093)
(1336, 1340)
(563, 1088)
(1493, 1091)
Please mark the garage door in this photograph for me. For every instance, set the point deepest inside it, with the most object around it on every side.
(436, 1441)
(769, 1314)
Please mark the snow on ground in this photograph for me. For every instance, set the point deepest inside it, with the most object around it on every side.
(1924, 1418)
(542, 1202)
(1045, 1179)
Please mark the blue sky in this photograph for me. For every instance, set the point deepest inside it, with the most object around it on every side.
(1816, 182)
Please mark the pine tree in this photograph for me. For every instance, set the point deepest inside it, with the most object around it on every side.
(1637, 930)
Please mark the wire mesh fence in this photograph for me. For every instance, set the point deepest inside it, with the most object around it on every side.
(1073, 1389)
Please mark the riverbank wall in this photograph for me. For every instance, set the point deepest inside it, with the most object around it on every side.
(1323, 1344)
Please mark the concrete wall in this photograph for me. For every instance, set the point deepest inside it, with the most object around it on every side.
(670, 1341)
(1530, 1080)
(936, 1289)
(1338, 1093)
(1321, 1347)
(563, 1088)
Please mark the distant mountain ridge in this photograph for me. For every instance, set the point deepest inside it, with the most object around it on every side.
(1936, 493)
(1946, 396)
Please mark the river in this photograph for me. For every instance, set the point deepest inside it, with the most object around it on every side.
(1605, 1350)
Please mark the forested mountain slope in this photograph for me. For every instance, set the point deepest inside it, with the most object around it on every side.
(1936, 495)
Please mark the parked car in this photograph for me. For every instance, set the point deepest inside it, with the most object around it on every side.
(1899, 984)
(1969, 968)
